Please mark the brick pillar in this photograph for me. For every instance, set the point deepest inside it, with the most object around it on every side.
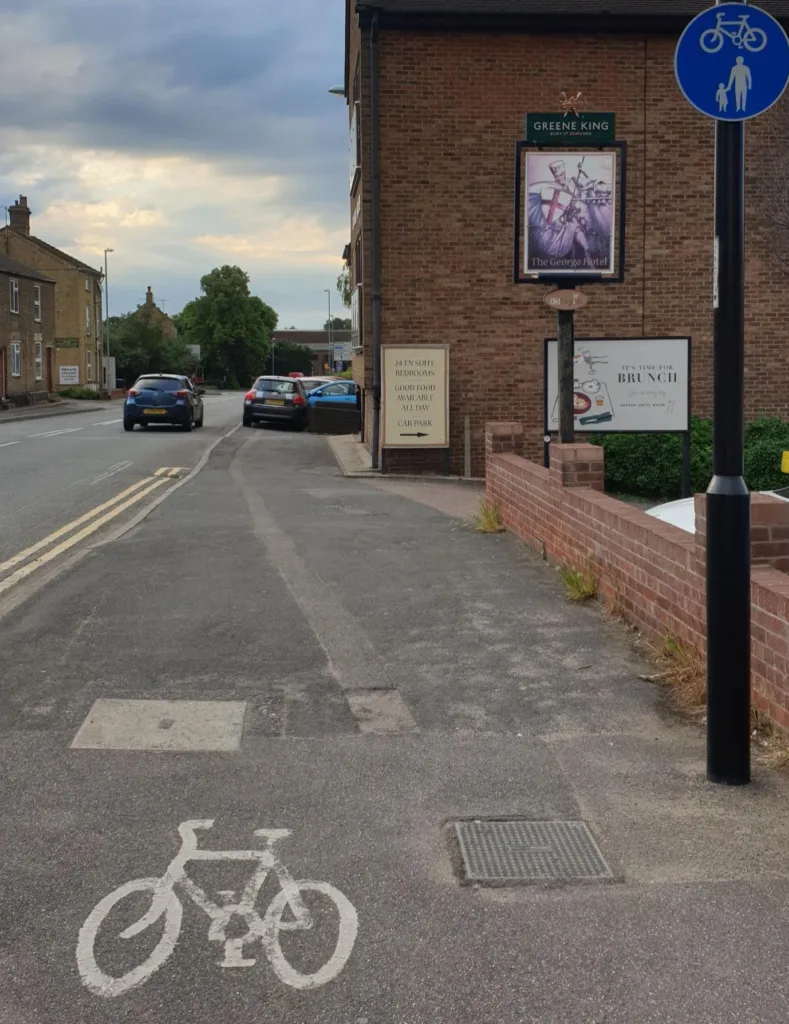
(578, 465)
(769, 531)
(503, 439)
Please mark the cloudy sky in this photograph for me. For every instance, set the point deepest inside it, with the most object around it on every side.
(183, 134)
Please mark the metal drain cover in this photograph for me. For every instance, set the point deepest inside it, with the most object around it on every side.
(497, 852)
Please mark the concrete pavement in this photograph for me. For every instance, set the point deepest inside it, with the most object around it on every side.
(397, 671)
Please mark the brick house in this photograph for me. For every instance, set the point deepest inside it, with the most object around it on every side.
(78, 299)
(437, 92)
(157, 315)
(27, 333)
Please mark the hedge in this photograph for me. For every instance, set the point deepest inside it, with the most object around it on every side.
(650, 465)
(79, 393)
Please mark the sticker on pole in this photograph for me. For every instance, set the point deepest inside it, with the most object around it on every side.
(732, 62)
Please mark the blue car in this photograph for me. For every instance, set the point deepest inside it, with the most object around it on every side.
(163, 398)
(339, 392)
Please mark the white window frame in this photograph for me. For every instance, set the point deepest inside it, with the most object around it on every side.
(89, 355)
(39, 351)
(14, 284)
(87, 283)
(16, 358)
(87, 320)
(37, 303)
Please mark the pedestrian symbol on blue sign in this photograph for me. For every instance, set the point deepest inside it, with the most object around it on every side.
(732, 62)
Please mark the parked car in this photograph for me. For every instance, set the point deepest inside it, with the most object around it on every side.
(341, 392)
(163, 398)
(276, 400)
(682, 513)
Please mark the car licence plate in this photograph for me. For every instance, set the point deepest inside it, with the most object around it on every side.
(154, 412)
(274, 401)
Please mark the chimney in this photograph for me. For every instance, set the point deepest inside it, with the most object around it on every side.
(149, 297)
(19, 215)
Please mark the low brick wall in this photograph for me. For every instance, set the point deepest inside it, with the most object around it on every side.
(652, 572)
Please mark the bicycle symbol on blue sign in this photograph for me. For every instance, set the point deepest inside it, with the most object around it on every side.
(732, 62)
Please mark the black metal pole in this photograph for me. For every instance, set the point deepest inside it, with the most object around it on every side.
(566, 352)
(687, 475)
(728, 500)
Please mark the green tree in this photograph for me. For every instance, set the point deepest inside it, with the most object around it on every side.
(139, 346)
(232, 327)
(289, 358)
(338, 324)
(344, 286)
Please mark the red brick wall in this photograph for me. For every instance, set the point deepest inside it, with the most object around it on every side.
(651, 572)
(452, 107)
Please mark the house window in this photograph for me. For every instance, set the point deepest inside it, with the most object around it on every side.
(87, 319)
(14, 295)
(37, 303)
(90, 364)
(39, 360)
(16, 359)
(87, 284)
(356, 78)
(98, 322)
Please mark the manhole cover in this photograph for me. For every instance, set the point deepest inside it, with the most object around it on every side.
(530, 851)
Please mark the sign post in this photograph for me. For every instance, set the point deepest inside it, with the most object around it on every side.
(732, 64)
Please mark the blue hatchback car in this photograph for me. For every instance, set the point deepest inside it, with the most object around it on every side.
(163, 398)
(340, 392)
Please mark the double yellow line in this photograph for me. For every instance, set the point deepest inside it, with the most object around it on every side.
(59, 542)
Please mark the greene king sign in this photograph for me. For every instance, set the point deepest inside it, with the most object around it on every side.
(567, 127)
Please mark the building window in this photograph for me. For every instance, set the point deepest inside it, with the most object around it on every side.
(358, 276)
(37, 303)
(98, 322)
(90, 364)
(14, 295)
(39, 361)
(87, 319)
(16, 359)
(87, 284)
(355, 97)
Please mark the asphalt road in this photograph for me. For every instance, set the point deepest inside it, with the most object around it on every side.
(56, 468)
(363, 670)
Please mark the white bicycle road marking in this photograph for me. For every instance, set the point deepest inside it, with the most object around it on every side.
(265, 930)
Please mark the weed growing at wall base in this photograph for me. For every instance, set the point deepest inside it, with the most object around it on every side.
(579, 586)
(488, 518)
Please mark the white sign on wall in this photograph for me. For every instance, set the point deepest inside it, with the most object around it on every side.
(628, 385)
(415, 381)
(69, 375)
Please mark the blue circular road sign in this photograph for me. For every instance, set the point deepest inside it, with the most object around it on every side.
(732, 62)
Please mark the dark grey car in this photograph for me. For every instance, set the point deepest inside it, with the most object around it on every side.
(276, 400)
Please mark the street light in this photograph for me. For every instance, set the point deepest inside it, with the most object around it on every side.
(331, 332)
(337, 90)
(107, 320)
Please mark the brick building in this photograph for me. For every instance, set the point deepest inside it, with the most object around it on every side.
(157, 316)
(437, 92)
(27, 333)
(78, 299)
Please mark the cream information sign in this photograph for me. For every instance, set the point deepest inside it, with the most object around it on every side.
(415, 389)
